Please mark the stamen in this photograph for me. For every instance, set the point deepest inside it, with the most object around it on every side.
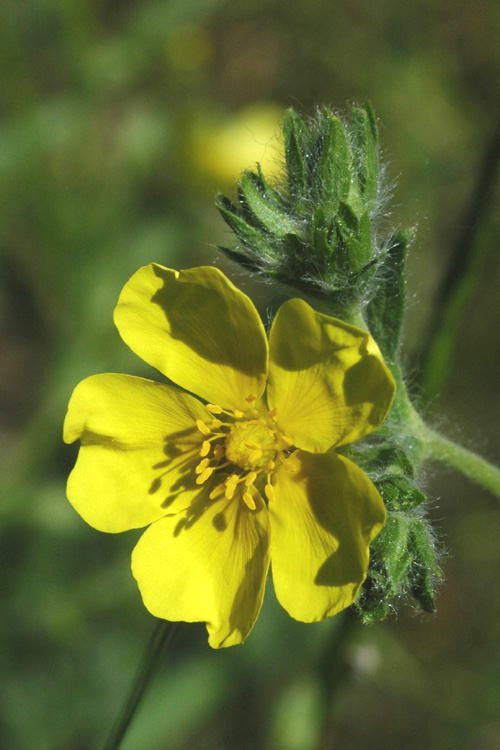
(205, 475)
(217, 491)
(272, 413)
(237, 413)
(252, 397)
(269, 490)
(270, 466)
(286, 440)
(217, 424)
(289, 466)
(250, 478)
(253, 446)
(249, 501)
(203, 428)
(218, 452)
(205, 448)
(202, 466)
(255, 455)
(214, 409)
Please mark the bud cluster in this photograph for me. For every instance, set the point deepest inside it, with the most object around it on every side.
(316, 231)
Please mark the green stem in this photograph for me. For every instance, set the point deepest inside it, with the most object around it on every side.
(162, 635)
(462, 460)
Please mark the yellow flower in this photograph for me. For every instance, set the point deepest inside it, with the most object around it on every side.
(198, 472)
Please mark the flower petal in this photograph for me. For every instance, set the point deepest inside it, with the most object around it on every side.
(198, 330)
(139, 447)
(323, 519)
(207, 564)
(327, 379)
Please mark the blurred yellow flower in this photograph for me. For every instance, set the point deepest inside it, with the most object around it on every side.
(249, 475)
(220, 148)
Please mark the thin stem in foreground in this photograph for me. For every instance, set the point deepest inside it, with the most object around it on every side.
(162, 635)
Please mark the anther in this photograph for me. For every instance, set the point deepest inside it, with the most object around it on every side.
(272, 413)
(251, 398)
(205, 448)
(269, 490)
(237, 413)
(205, 475)
(217, 491)
(250, 478)
(203, 428)
(218, 452)
(253, 446)
(214, 409)
(202, 466)
(249, 501)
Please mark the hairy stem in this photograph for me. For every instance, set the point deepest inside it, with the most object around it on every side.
(462, 460)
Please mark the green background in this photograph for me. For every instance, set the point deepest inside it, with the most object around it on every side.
(119, 121)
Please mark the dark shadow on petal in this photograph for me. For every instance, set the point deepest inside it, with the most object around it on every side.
(219, 522)
(308, 348)
(246, 604)
(341, 520)
(367, 382)
(189, 305)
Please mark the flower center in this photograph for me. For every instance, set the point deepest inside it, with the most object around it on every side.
(251, 445)
(242, 449)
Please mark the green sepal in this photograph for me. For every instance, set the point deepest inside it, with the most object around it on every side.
(403, 561)
(333, 170)
(251, 237)
(324, 239)
(243, 260)
(364, 133)
(399, 492)
(297, 150)
(354, 239)
(424, 567)
(385, 311)
(261, 206)
(393, 550)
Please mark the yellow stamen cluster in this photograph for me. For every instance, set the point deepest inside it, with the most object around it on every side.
(244, 447)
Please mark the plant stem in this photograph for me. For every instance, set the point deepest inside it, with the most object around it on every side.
(462, 460)
(161, 636)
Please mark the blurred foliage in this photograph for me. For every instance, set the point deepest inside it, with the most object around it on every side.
(118, 121)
